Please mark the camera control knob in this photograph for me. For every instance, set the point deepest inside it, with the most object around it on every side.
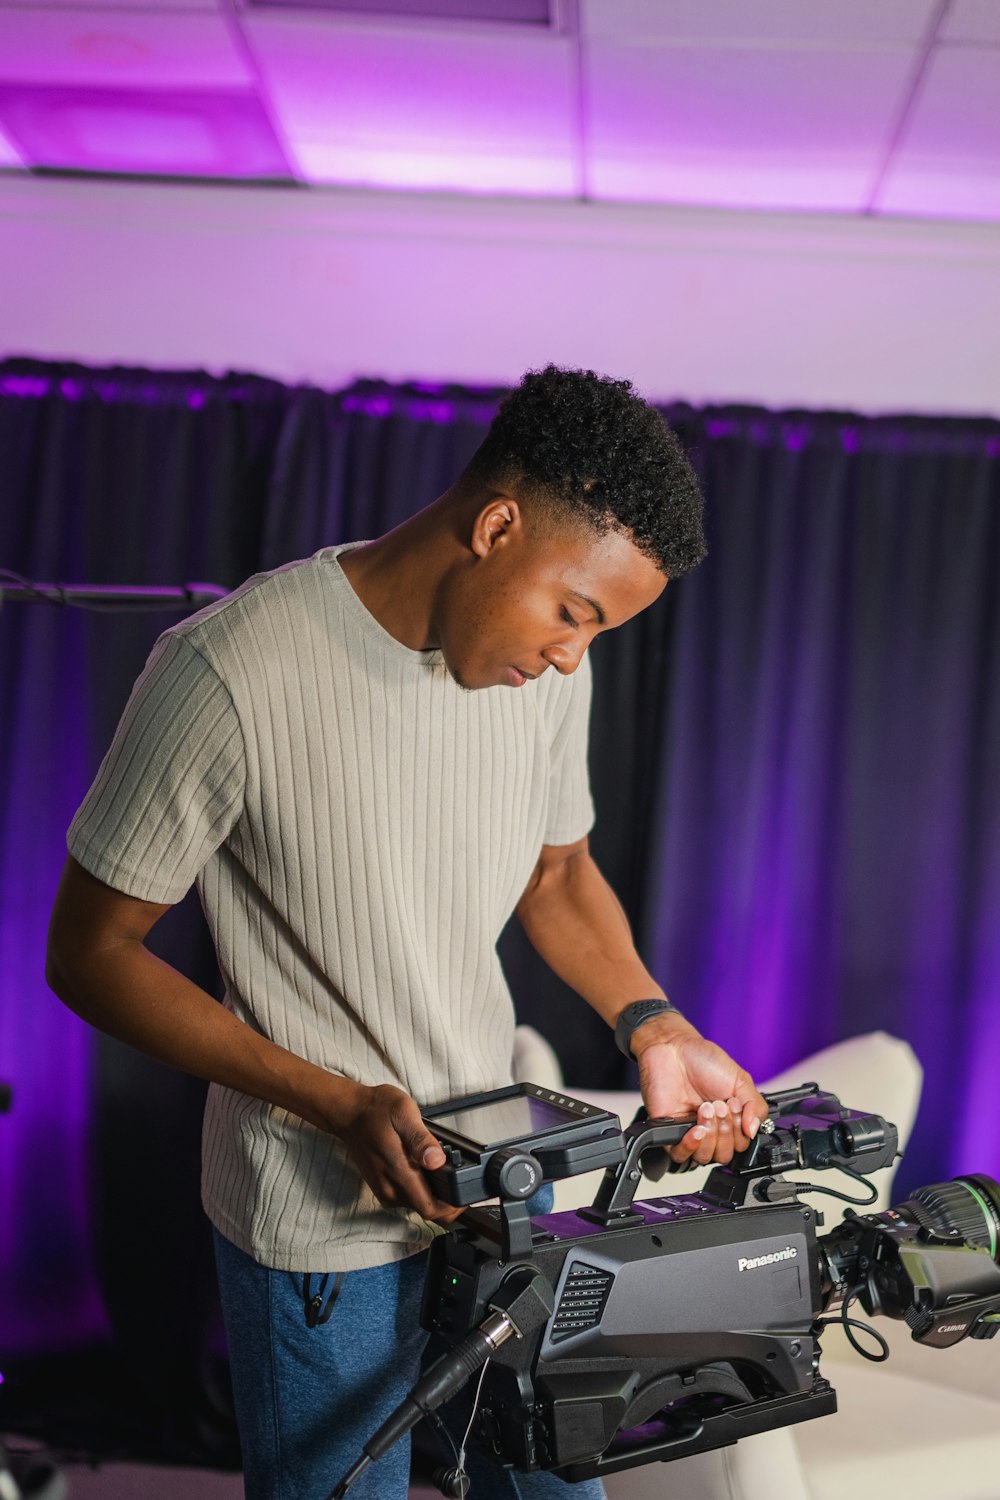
(513, 1173)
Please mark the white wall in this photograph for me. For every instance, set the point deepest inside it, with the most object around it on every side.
(322, 286)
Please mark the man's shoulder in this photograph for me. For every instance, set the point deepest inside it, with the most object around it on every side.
(267, 612)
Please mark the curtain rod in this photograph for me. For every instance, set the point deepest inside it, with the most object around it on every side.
(108, 596)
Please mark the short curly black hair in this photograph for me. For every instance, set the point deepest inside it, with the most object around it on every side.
(589, 445)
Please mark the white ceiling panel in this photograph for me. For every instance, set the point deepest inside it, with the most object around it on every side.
(948, 161)
(972, 21)
(129, 49)
(733, 103)
(775, 129)
(111, 7)
(409, 107)
(737, 23)
(8, 156)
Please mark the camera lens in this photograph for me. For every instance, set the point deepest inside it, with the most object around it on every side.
(966, 1206)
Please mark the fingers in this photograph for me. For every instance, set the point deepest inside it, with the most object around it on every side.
(403, 1186)
(723, 1128)
(749, 1103)
(751, 1117)
(710, 1139)
(393, 1149)
(726, 1127)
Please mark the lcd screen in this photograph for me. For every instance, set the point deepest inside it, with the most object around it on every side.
(505, 1120)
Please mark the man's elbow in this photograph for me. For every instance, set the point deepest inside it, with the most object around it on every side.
(58, 963)
(553, 875)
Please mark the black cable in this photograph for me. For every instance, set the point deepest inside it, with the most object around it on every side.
(353, 1473)
(521, 1306)
(848, 1323)
(444, 1379)
(29, 587)
(864, 1181)
(776, 1190)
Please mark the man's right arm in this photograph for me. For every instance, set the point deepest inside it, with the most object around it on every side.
(98, 965)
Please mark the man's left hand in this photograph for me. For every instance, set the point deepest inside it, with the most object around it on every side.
(683, 1074)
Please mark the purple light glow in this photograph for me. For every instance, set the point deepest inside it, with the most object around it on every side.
(8, 156)
(49, 1294)
(948, 164)
(720, 427)
(795, 436)
(369, 406)
(415, 408)
(801, 130)
(25, 387)
(474, 172)
(185, 133)
(168, 389)
(373, 106)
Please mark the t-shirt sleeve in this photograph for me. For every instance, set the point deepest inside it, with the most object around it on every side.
(570, 806)
(171, 786)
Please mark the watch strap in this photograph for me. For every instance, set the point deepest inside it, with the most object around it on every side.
(633, 1016)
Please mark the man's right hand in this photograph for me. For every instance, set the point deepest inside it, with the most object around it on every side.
(99, 966)
(392, 1148)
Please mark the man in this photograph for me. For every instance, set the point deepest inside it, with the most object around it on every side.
(366, 764)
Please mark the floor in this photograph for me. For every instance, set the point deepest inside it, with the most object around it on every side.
(129, 1481)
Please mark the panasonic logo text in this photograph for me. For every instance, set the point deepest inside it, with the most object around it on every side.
(754, 1262)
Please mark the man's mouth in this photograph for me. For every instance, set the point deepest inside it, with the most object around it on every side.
(519, 678)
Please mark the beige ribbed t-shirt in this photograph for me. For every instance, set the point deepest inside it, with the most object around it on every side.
(360, 829)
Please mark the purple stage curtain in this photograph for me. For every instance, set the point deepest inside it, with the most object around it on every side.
(794, 759)
(827, 850)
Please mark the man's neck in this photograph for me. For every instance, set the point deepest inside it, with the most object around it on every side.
(396, 577)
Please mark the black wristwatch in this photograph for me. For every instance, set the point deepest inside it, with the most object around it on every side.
(632, 1018)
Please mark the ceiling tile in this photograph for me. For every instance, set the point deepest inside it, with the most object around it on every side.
(762, 23)
(972, 21)
(158, 132)
(948, 162)
(772, 129)
(417, 107)
(8, 156)
(118, 50)
(108, 10)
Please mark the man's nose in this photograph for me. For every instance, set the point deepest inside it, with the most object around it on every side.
(566, 657)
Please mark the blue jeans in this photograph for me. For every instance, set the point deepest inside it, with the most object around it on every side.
(307, 1399)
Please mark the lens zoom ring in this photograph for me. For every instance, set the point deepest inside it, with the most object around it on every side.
(950, 1205)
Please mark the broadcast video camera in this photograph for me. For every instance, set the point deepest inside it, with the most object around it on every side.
(628, 1332)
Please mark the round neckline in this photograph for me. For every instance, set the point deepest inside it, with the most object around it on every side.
(364, 617)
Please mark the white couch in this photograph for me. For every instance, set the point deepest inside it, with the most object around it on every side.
(925, 1425)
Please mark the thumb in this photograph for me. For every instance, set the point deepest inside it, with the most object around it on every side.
(432, 1156)
(418, 1143)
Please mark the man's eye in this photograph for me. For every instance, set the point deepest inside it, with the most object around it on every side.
(564, 612)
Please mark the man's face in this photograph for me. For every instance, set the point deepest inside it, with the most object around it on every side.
(530, 601)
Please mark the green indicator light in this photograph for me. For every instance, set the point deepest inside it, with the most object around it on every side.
(454, 1281)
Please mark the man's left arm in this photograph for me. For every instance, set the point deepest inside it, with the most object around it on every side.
(577, 924)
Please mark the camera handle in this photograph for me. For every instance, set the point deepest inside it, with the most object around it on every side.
(613, 1200)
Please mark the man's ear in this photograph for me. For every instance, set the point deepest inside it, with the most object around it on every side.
(497, 524)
